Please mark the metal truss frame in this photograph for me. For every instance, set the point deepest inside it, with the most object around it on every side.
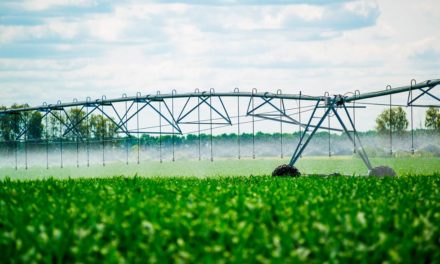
(331, 106)
(204, 99)
(336, 105)
(426, 91)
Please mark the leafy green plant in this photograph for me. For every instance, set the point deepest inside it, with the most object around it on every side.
(221, 219)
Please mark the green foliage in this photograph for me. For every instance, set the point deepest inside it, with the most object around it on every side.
(94, 126)
(77, 117)
(102, 127)
(394, 119)
(9, 126)
(432, 119)
(233, 219)
(54, 127)
(35, 130)
(12, 125)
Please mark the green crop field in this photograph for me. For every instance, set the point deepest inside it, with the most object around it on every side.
(84, 215)
(221, 219)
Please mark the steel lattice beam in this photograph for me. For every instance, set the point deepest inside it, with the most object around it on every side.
(336, 104)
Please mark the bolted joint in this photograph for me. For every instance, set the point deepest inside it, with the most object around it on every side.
(339, 100)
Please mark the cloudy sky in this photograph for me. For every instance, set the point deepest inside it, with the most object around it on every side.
(65, 49)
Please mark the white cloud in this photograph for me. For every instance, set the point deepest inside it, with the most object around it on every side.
(150, 46)
(53, 30)
(10, 34)
(38, 5)
(146, 10)
(105, 28)
(361, 7)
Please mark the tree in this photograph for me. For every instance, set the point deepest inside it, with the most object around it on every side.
(77, 118)
(75, 124)
(11, 125)
(394, 119)
(432, 119)
(55, 124)
(35, 127)
(8, 128)
(102, 127)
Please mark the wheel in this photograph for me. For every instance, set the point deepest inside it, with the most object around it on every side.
(382, 171)
(286, 170)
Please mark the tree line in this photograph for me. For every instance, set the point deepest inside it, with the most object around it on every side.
(31, 125)
(101, 127)
(395, 119)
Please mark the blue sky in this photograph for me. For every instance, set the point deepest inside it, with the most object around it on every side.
(65, 49)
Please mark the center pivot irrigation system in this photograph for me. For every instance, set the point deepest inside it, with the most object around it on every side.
(126, 113)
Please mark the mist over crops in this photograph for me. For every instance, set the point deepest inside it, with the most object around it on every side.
(119, 151)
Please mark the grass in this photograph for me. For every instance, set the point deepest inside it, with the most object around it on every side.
(221, 219)
(222, 167)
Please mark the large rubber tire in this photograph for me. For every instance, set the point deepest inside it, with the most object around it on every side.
(286, 170)
(382, 171)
